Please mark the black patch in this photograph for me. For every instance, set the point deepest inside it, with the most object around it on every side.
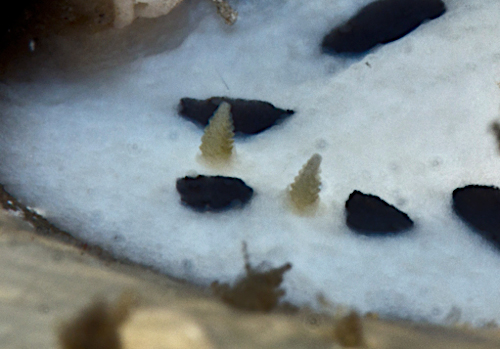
(370, 215)
(249, 116)
(380, 22)
(207, 193)
(479, 207)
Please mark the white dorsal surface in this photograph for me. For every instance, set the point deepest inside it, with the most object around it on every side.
(407, 122)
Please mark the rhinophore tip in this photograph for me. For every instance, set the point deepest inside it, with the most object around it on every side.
(217, 140)
(304, 191)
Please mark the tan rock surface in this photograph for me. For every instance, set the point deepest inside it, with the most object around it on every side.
(127, 10)
(44, 283)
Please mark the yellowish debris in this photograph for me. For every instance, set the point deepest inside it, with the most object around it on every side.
(226, 11)
(126, 11)
(304, 191)
(217, 141)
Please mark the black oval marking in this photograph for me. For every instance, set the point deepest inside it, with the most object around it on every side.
(213, 193)
(479, 207)
(249, 116)
(380, 22)
(370, 215)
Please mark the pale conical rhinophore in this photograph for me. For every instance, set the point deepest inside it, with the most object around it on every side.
(304, 191)
(217, 140)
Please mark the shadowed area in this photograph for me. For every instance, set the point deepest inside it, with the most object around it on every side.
(72, 38)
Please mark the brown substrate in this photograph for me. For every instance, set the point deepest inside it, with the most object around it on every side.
(43, 226)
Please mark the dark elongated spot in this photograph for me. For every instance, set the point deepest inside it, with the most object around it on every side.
(495, 128)
(370, 215)
(207, 193)
(479, 207)
(249, 116)
(380, 22)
